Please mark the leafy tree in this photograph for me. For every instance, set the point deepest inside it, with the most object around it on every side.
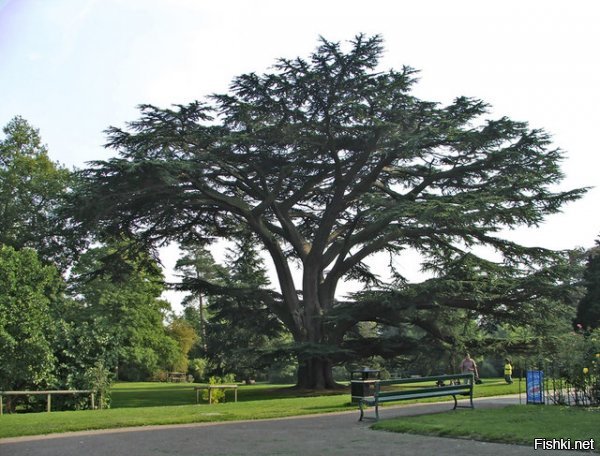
(588, 310)
(32, 187)
(185, 336)
(330, 161)
(85, 347)
(119, 297)
(27, 292)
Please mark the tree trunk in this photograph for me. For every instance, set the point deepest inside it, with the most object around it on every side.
(202, 325)
(315, 374)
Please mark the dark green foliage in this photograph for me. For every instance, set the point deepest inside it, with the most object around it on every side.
(85, 347)
(197, 263)
(588, 311)
(27, 293)
(541, 299)
(242, 330)
(32, 188)
(119, 302)
(329, 161)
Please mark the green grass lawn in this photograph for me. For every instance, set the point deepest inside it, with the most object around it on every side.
(148, 394)
(45, 423)
(520, 424)
(141, 404)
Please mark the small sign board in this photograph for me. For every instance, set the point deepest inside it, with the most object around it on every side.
(535, 386)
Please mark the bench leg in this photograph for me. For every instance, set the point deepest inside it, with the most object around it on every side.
(455, 402)
(362, 412)
(376, 411)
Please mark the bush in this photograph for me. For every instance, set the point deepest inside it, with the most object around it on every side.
(159, 376)
(99, 378)
(578, 364)
(198, 368)
(218, 395)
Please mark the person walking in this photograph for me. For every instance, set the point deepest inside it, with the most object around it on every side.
(508, 371)
(469, 366)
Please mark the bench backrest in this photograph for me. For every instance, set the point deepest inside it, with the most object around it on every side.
(434, 390)
(432, 378)
(425, 388)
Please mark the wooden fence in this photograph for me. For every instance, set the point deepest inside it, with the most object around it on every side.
(48, 395)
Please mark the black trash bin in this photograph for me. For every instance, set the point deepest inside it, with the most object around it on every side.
(362, 383)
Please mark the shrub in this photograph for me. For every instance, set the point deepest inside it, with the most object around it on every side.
(578, 364)
(218, 395)
(198, 368)
(159, 376)
(99, 378)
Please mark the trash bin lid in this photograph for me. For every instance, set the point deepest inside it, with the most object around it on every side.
(365, 373)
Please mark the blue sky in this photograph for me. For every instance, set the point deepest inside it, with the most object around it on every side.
(74, 67)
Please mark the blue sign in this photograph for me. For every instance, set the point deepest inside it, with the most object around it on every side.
(535, 386)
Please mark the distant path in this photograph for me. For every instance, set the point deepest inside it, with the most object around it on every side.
(330, 434)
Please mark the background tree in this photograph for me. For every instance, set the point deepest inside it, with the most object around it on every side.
(183, 333)
(197, 263)
(330, 161)
(28, 290)
(84, 343)
(119, 296)
(32, 187)
(588, 310)
(243, 333)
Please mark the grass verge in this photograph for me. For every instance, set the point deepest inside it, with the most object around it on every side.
(47, 423)
(520, 424)
(143, 404)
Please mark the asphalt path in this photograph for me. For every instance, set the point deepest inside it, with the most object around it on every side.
(330, 434)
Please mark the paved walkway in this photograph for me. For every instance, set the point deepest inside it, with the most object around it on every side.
(332, 434)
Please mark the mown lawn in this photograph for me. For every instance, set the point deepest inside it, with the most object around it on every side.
(142, 404)
(148, 394)
(520, 424)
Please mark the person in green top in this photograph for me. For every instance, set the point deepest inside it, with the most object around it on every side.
(508, 371)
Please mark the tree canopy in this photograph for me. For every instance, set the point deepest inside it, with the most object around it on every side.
(32, 188)
(118, 297)
(329, 161)
(243, 333)
(588, 310)
(28, 291)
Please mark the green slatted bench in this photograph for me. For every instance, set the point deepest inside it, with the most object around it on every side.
(454, 388)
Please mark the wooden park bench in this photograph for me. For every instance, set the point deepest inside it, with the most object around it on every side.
(176, 377)
(434, 386)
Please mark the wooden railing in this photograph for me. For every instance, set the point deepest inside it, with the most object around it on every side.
(212, 387)
(48, 395)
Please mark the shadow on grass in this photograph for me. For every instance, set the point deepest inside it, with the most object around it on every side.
(164, 395)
